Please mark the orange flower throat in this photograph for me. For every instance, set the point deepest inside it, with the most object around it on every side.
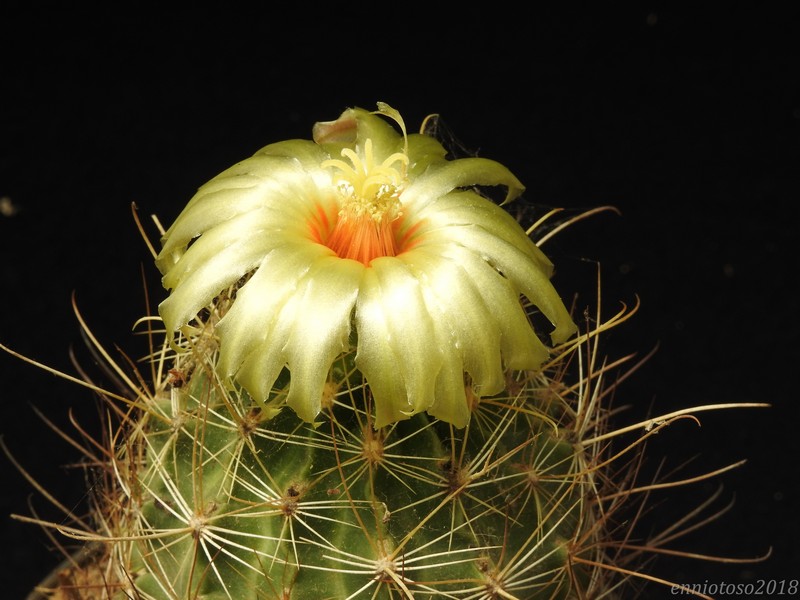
(370, 205)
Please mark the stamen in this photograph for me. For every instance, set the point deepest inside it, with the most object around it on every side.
(370, 204)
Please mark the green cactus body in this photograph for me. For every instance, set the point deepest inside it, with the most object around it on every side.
(236, 501)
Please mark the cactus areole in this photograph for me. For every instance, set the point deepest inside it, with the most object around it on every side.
(365, 238)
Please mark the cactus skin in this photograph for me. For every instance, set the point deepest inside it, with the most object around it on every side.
(233, 502)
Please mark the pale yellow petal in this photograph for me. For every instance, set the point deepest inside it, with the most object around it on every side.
(217, 260)
(319, 330)
(519, 345)
(467, 208)
(458, 306)
(391, 312)
(248, 329)
(305, 153)
(254, 183)
(450, 399)
(519, 266)
(465, 172)
(376, 360)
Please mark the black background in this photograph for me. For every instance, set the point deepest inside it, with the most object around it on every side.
(686, 121)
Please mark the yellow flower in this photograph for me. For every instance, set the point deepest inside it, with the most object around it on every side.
(364, 236)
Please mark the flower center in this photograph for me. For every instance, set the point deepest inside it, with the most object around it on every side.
(370, 204)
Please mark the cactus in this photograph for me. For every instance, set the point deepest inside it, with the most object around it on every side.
(362, 384)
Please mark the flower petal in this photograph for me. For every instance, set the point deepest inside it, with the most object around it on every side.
(434, 183)
(218, 259)
(251, 184)
(466, 332)
(460, 208)
(397, 347)
(248, 329)
(519, 346)
(303, 327)
(458, 306)
(450, 398)
(494, 235)
(321, 329)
